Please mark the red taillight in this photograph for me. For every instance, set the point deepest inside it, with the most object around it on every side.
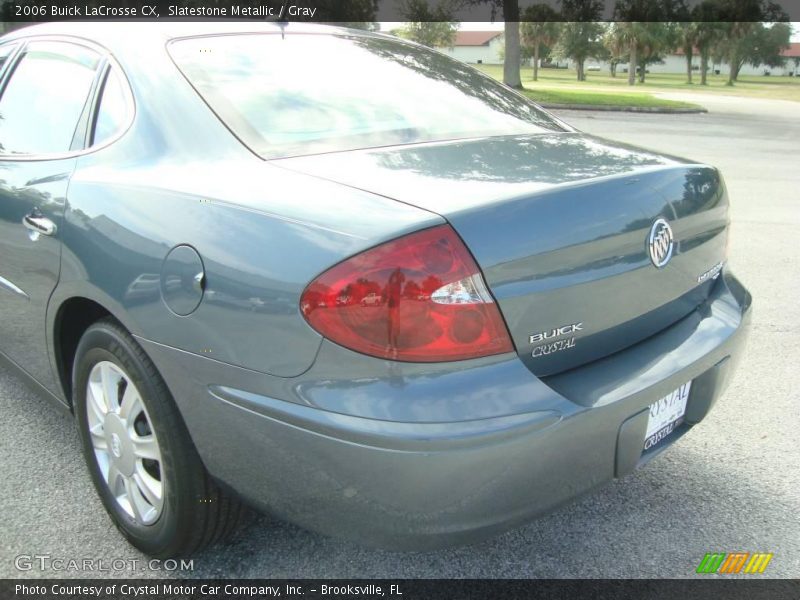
(419, 298)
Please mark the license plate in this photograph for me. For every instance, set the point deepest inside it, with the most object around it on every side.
(665, 415)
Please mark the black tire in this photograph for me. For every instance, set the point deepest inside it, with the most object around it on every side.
(195, 511)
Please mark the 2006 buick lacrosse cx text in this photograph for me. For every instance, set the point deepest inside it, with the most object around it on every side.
(410, 308)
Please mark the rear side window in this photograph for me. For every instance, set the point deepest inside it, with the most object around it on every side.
(114, 108)
(45, 98)
(293, 94)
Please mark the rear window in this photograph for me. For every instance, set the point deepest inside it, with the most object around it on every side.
(297, 94)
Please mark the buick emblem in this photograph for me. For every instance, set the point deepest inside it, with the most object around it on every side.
(116, 445)
(660, 243)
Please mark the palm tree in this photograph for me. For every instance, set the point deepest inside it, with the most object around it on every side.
(688, 41)
(615, 48)
(707, 35)
(540, 27)
(657, 38)
(628, 38)
(735, 32)
(578, 41)
(638, 22)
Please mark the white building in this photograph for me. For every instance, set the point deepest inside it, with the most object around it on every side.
(676, 63)
(486, 47)
(477, 47)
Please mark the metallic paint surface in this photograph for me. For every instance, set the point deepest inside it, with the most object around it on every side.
(503, 447)
(408, 455)
(30, 264)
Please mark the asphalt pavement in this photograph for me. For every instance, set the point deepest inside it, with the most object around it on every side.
(731, 484)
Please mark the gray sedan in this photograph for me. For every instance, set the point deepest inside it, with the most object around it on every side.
(344, 279)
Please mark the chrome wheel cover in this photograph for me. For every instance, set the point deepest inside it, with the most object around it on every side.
(125, 444)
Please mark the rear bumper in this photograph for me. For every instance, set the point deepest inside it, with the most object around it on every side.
(400, 456)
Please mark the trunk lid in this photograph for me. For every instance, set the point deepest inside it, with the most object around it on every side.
(560, 225)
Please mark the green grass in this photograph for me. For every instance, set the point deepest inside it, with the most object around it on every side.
(784, 88)
(558, 96)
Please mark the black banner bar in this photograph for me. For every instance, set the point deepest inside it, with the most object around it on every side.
(373, 11)
(400, 589)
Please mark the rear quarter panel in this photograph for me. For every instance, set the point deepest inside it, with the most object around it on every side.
(178, 176)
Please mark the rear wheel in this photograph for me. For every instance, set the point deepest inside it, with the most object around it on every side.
(138, 451)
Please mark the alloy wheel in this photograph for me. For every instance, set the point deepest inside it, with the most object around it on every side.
(125, 444)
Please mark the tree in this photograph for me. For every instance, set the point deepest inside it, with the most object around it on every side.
(580, 35)
(511, 52)
(732, 47)
(431, 27)
(752, 43)
(578, 41)
(657, 39)
(685, 34)
(707, 32)
(429, 33)
(623, 39)
(615, 46)
(640, 28)
(512, 61)
(707, 36)
(744, 31)
(767, 43)
(688, 41)
(540, 27)
(643, 43)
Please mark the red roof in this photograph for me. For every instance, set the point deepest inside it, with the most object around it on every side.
(475, 38)
(792, 51)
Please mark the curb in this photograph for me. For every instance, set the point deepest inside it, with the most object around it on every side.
(611, 108)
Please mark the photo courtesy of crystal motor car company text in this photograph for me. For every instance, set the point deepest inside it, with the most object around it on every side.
(413, 309)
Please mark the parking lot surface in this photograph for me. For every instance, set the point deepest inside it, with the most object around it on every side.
(732, 484)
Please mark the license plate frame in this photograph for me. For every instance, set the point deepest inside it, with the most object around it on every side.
(665, 416)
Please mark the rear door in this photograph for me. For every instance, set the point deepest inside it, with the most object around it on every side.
(44, 111)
